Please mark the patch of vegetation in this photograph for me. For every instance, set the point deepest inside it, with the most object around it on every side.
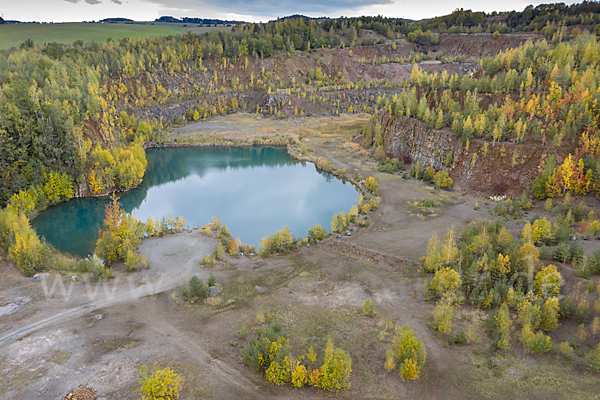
(162, 384)
(270, 351)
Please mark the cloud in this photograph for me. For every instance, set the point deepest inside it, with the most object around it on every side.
(268, 8)
(73, 1)
(92, 2)
(117, 2)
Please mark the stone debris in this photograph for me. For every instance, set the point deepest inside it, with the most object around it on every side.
(498, 198)
(215, 290)
(81, 394)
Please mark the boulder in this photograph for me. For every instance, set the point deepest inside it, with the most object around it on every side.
(215, 290)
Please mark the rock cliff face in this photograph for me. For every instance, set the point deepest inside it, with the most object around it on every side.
(409, 136)
(481, 167)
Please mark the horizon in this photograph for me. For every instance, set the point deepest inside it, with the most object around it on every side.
(67, 11)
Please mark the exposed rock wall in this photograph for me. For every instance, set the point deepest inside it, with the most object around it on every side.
(480, 168)
(409, 136)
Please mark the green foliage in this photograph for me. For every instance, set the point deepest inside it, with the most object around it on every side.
(592, 360)
(219, 251)
(371, 184)
(164, 384)
(335, 370)
(560, 253)
(566, 350)
(548, 282)
(341, 221)
(442, 318)
(407, 354)
(99, 272)
(391, 166)
(22, 244)
(281, 241)
(582, 312)
(538, 343)
(211, 281)
(316, 233)
(502, 328)
(368, 308)
(270, 351)
(445, 283)
(120, 237)
(549, 319)
(442, 180)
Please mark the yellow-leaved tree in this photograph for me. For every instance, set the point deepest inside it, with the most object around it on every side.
(406, 354)
(164, 384)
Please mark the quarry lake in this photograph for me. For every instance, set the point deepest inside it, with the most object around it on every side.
(255, 191)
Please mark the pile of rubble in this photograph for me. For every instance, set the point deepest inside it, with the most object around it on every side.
(81, 394)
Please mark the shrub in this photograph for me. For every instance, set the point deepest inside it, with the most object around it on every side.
(340, 221)
(407, 354)
(548, 282)
(582, 312)
(538, 343)
(281, 241)
(211, 281)
(500, 187)
(428, 174)
(336, 369)
(379, 154)
(560, 253)
(592, 360)
(566, 350)
(164, 384)
(442, 180)
(576, 253)
(502, 328)
(406, 159)
(316, 233)
(195, 288)
(442, 318)
(368, 308)
(371, 184)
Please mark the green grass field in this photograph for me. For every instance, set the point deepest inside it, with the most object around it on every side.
(15, 34)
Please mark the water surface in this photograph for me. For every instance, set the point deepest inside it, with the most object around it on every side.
(255, 191)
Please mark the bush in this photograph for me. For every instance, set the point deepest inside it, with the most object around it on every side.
(211, 281)
(582, 312)
(316, 233)
(164, 384)
(443, 180)
(406, 354)
(368, 308)
(560, 253)
(371, 184)
(460, 339)
(592, 360)
(195, 288)
(336, 369)
(576, 253)
(281, 241)
(538, 343)
(566, 350)
(428, 174)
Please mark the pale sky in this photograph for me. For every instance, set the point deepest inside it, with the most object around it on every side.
(253, 11)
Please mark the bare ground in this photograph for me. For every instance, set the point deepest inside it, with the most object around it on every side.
(52, 344)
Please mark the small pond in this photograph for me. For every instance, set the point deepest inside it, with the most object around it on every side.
(255, 191)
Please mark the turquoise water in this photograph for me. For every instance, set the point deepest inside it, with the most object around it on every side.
(255, 191)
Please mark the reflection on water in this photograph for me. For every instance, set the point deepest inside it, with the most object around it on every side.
(254, 191)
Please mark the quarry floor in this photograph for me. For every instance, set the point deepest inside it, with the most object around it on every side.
(99, 334)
